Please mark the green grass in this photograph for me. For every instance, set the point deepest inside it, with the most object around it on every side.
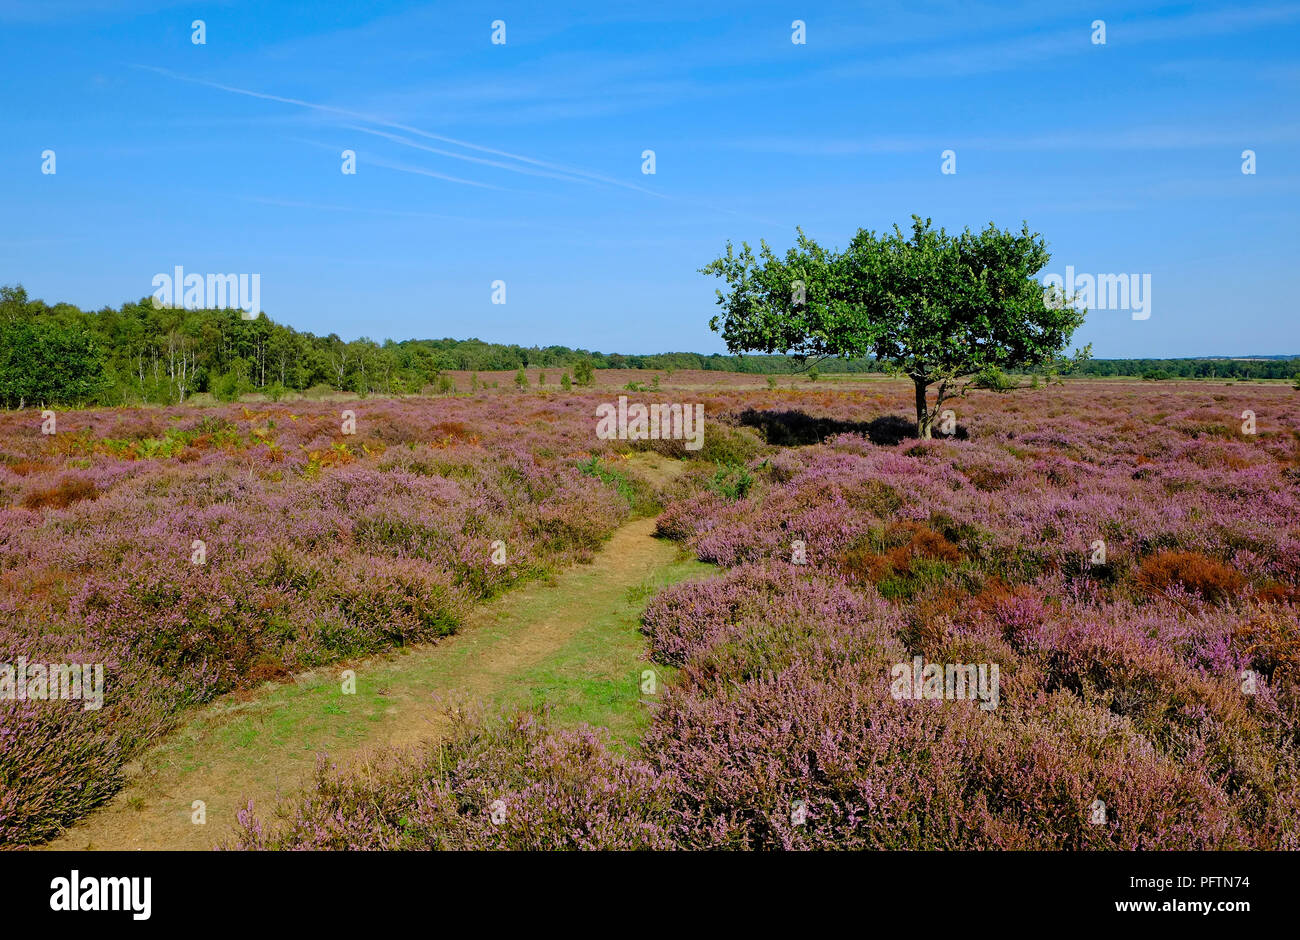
(596, 678)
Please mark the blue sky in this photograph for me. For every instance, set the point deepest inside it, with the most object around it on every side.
(522, 162)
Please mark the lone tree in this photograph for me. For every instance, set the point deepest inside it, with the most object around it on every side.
(935, 307)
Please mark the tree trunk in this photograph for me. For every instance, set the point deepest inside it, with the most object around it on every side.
(922, 412)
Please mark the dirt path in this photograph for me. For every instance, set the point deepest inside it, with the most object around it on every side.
(572, 640)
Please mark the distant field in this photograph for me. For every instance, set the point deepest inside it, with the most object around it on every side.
(617, 379)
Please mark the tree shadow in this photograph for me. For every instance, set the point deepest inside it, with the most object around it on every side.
(797, 429)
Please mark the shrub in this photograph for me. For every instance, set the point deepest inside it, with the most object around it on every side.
(727, 445)
(731, 481)
(1207, 577)
(994, 379)
(1270, 643)
(902, 545)
(69, 490)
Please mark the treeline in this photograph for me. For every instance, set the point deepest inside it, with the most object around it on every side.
(473, 354)
(1274, 367)
(60, 354)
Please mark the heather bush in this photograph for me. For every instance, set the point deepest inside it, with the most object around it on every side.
(506, 784)
(1211, 579)
(66, 492)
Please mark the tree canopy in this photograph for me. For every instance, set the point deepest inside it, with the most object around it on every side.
(935, 307)
(45, 362)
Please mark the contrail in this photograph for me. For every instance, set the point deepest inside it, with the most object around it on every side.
(401, 167)
(567, 173)
(407, 168)
(572, 173)
(447, 153)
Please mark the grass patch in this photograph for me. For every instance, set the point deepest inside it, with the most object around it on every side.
(596, 678)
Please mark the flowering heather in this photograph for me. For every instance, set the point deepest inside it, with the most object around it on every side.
(1124, 554)
(499, 785)
(316, 546)
(1125, 674)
